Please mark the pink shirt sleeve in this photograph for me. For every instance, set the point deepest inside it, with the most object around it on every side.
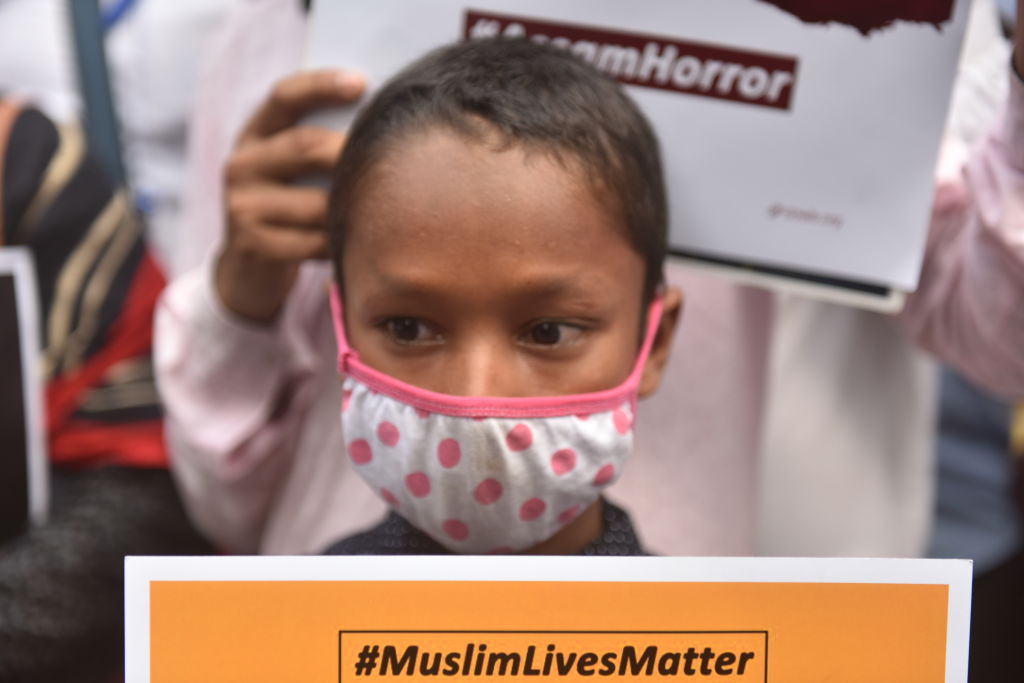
(225, 383)
(234, 401)
(969, 306)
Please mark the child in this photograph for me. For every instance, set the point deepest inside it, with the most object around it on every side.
(498, 231)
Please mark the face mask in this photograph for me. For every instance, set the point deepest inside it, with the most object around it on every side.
(484, 474)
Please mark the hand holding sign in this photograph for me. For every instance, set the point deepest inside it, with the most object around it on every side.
(273, 226)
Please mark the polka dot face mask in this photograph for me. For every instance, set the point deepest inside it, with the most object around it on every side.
(484, 474)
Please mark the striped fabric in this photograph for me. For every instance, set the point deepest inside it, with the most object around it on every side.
(98, 286)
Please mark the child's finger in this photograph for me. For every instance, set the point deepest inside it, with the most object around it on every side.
(286, 155)
(296, 95)
(280, 244)
(301, 208)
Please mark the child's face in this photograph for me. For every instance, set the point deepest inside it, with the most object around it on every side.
(477, 270)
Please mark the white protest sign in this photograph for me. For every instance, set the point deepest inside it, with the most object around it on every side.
(800, 137)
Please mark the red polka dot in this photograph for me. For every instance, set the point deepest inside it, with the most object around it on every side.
(346, 398)
(604, 475)
(387, 433)
(487, 491)
(532, 509)
(422, 413)
(360, 452)
(623, 421)
(520, 438)
(388, 497)
(449, 453)
(455, 529)
(569, 514)
(418, 484)
(563, 461)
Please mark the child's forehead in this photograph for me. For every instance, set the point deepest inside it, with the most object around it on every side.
(442, 202)
(440, 168)
(473, 138)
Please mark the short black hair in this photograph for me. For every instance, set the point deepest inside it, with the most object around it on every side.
(534, 95)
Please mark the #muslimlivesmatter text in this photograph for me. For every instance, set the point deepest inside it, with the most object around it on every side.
(476, 660)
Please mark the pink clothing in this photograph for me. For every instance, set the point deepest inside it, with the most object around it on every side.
(253, 411)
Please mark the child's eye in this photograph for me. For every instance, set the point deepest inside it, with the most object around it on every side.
(550, 333)
(405, 330)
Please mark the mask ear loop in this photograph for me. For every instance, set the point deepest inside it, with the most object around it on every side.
(651, 327)
(345, 352)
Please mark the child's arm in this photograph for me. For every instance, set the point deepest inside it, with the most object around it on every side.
(238, 393)
(969, 307)
(237, 398)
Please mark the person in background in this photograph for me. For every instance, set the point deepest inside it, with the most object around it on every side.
(977, 514)
(155, 54)
(61, 583)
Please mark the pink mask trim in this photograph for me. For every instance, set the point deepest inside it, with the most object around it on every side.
(492, 406)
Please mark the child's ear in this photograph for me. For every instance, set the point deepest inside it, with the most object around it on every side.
(657, 361)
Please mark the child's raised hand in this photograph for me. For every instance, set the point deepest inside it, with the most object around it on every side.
(274, 225)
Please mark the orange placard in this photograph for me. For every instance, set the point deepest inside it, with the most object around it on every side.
(256, 631)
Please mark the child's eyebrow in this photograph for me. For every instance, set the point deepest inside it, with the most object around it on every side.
(428, 286)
